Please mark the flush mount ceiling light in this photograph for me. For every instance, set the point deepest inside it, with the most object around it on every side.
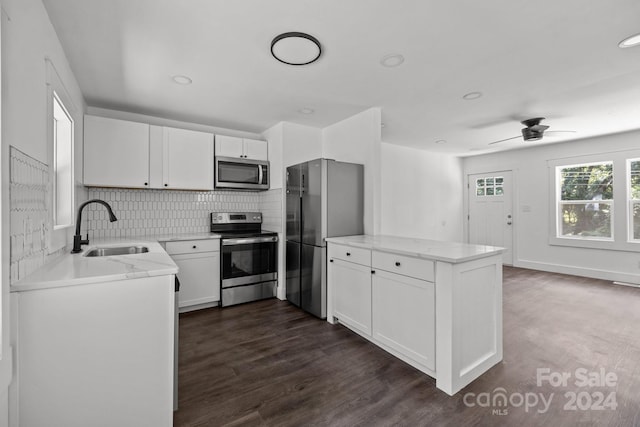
(296, 48)
(441, 141)
(471, 96)
(630, 41)
(306, 110)
(182, 80)
(391, 60)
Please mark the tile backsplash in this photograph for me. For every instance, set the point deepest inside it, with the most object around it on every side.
(271, 208)
(30, 211)
(157, 212)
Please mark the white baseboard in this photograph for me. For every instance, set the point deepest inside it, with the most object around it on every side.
(614, 276)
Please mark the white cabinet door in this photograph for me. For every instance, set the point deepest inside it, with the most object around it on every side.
(116, 153)
(103, 349)
(244, 148)
(199, 277)
(404, 315)
(229, 146)
(187, 159)
(351, 284)
(255, 149)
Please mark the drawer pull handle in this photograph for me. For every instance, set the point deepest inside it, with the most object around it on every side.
(373, 272)
(194, 246)
(397, 263)
(348, 253)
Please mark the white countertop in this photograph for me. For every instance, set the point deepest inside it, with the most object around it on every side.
(77, 269)
(186, 236)
(422, 248)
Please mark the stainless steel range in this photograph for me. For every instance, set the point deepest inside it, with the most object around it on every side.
(249, 264)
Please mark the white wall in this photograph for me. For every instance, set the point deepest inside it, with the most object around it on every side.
(300, 144)
(421, 194)
(532, 211)
(27, 39)
(289, 144)
(357, 140)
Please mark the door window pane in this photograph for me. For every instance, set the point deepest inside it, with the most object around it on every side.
(490, 186)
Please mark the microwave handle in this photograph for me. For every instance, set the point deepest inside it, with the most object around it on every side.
(260, 173)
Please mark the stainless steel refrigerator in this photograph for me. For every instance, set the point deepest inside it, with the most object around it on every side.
(324, 198)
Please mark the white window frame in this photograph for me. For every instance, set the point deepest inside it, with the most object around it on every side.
(620, 220)
(630, 202)
(54, 165)
(56, 88)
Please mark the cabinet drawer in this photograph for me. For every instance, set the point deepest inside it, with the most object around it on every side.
(400, 264)
(193, 246)
(350, 254)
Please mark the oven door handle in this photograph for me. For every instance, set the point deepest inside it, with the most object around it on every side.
(249, 240)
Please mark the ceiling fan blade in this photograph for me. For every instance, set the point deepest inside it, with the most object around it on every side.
(503, 140)
(555, 132)
(539, 128)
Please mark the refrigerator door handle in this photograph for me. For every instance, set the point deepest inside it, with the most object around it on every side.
(302, 189)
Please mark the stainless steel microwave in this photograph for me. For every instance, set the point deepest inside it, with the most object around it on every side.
(241, 174)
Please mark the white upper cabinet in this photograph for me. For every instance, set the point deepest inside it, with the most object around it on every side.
(116, 153)
(255, 149)
(231, 146)
(187, 161)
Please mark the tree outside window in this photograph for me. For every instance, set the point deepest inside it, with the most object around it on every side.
(634, 198)
(585, 204)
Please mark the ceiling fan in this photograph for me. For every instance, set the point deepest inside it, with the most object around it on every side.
(533, 131)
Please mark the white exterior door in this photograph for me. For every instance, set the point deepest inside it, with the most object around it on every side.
(490, 211)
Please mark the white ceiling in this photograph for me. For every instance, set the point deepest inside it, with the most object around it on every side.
(557, 59)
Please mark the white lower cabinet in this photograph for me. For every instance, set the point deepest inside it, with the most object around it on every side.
(393, 310)
(100, 354)
(352, 295)
(199, 274)
(404, 315)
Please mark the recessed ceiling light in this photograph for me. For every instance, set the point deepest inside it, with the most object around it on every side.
(472, 95)
(306, 110)
(296, 48)
(182, 80)
(391, 60)
(382, 125)
(630, 41)
(441, 141)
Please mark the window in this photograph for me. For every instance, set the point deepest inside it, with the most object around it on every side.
(61, 121)
(633, 166)
(585, 202)
(595, 201)
(490, 186)
(62, 165)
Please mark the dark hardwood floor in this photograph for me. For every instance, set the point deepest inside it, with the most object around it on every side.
(268, 363)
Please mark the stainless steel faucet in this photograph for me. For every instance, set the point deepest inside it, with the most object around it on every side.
(77, 238)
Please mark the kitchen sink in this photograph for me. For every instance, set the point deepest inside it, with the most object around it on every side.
(117, 250)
